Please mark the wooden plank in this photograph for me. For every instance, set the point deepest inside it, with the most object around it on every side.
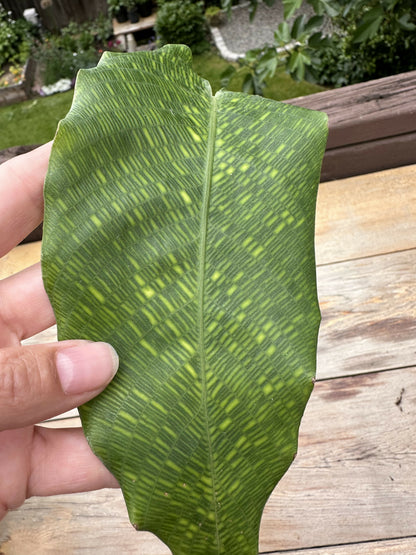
(59, 13)
(63, 422)
(19, 258)
(356, 217)
(376, 118)
(352, 481)
(83, 523)
(366, 111)
(129, 27)
(371, 156)
(354, 477)
(368, 315)
(367, 304)
(366, 215)
(400, 546)
(47, 336)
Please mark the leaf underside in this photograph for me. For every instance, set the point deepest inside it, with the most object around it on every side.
(179, 227)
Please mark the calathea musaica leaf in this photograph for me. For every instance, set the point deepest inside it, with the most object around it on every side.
(179, 227)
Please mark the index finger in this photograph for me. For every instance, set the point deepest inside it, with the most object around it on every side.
(21, 194)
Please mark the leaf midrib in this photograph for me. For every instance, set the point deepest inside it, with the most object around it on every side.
(212, 126)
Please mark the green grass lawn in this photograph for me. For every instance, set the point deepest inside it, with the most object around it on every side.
(210, 66)
(35, 121)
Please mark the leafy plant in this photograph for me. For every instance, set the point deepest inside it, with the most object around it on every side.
(179, 226)
(369, 39)
(182, 22)
(214, 16)
(373, 39)
(15, 39)
(12, 77)
(291, 48)
(115, 7)
(78, 46)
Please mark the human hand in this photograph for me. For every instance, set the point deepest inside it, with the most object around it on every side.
(40, 381)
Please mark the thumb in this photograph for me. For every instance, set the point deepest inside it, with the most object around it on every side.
(40, 381)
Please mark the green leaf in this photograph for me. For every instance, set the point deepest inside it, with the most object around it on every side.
(329, 7)
(405, 22)
(267, 64)
(298, 27)
(180, 228)
(317, 41)
(227, 75)
(248, 84)
(290, 7)
(297, 63)
(315, 22)
(282, 35)
(369, 25)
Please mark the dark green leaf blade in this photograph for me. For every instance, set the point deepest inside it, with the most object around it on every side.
(179, 227)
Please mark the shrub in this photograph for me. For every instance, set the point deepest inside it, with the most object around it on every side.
(15, 39)
(182, 22)
(370, 39)
(77, 46)
(371, 42)
(215, 16)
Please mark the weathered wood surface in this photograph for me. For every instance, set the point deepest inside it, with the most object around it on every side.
(368, 314)
(370, 156)
(366, 111)
(129, 27)
(352, 487)
(19, 258)
(353, 480)
(372, 125)
(401, 546)
(58, 13)
(366, 215)
(354, 477)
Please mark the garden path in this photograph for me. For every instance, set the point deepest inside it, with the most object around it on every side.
(239, 34)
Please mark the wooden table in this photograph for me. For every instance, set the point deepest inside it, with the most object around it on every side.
(352, 487)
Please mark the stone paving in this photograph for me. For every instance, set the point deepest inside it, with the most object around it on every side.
(239, 34)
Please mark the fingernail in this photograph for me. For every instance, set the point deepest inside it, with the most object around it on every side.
(86, 367)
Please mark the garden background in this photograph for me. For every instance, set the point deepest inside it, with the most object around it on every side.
(309, 46)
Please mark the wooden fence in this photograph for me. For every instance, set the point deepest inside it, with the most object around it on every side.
(55, 14)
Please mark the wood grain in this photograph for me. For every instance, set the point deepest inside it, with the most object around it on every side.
(354, 477)
(353, 480)
(366, 111)
(399, 546)
(356, 217)
(368, 314)
(352, 488)
(19, 258)
(87, 523)
(63, 421)
(372, 156)
(372, 125)
(366, 215)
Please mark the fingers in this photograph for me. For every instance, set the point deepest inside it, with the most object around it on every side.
(40, 461)
(40, 381)
(21, 194)
(62, 462)
(24, 306)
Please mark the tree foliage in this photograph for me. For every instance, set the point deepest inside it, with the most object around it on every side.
(182, 22)
(368, 39)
